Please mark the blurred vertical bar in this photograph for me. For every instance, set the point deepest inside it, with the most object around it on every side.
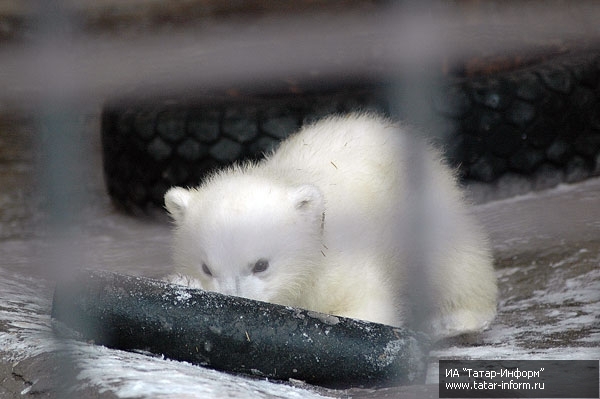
(60, 164)
(411, 94)
(61, 140)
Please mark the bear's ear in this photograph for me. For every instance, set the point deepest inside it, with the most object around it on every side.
(308, 198)
(176, 202)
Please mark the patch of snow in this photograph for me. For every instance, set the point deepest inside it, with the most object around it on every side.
(132, 375)
(25, 327)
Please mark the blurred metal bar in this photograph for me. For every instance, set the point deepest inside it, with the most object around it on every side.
(230, 54)
(413, 86)
(62, 155)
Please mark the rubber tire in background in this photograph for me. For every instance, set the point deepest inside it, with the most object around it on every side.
(546, 116)
(150, 147)
(541, 119)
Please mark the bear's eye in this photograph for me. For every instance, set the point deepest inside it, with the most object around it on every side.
(260, 266)
(206, 270)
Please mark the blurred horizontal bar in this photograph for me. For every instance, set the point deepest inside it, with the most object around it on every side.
(286, 49)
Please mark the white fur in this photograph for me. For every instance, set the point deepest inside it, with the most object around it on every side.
(330, 212)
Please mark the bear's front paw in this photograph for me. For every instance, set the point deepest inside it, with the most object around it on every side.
(182, 279)
(460, 322)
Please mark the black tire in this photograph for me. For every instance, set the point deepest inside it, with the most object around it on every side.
(544, 117)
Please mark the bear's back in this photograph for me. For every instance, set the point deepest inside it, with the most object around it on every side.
(357, 157)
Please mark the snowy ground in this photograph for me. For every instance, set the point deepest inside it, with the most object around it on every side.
(547, 248)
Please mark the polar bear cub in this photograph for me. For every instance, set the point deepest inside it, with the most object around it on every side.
(324, 223)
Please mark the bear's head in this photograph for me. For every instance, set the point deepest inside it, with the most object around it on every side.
(248, 236)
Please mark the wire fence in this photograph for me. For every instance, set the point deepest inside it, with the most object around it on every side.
(65, 66)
